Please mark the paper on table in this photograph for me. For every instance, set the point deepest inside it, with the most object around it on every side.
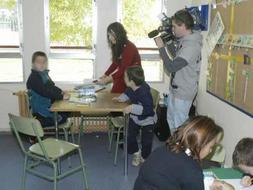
(237, 185)
(89, 83)
(235, 182)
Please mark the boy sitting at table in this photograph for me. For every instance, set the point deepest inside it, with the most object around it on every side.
(142, 114)
(243, 160)
(43, 92)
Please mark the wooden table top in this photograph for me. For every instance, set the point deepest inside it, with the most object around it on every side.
(103, 104)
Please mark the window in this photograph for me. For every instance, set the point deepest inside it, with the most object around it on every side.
(10, 58)
(139, 18)
(71, 23)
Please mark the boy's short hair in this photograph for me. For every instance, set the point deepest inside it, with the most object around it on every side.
(183, 17)
(243, 153)
(38, 54)
(136, 74)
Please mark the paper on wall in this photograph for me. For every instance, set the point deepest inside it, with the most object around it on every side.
(214, 34)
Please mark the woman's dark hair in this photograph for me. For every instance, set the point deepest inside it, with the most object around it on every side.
(183, 17)
(38, 54)
(194, 135)
(243, 153)
(120, 34)
(136, 74)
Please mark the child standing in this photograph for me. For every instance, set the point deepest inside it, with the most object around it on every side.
(43, 92)
(142, 114)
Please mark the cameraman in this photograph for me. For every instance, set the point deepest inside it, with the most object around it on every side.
(184, 67)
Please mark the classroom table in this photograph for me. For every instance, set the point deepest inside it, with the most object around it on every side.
(103, 104)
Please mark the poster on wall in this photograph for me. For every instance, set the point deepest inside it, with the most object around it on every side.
(216, 29)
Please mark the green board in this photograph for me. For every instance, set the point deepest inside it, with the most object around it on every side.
(225, 173)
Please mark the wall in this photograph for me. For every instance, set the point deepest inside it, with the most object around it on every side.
(236, 124)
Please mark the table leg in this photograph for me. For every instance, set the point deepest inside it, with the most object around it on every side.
(125, 145)
(56, 124)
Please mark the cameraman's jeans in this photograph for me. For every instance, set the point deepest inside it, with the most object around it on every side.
(177, 112)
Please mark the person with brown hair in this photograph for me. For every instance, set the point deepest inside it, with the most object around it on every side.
(124, 55)
(176, 166)
(243, 160)
(184, 68)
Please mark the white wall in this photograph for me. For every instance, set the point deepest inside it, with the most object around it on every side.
(236, 124)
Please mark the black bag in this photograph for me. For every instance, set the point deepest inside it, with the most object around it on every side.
(162, 129)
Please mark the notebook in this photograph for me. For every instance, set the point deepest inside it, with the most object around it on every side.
(229, 175)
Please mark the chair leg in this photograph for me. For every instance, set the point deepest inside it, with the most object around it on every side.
(110, 139)
(83, 169)
(24, 173)
(117, 147)
(73, 137)
(81, 129)
(66, 134)
(55, 175)
(58, 166)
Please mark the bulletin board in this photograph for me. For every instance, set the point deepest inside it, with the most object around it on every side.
(230, 65)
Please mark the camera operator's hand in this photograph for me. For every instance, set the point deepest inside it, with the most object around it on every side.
(159, 42)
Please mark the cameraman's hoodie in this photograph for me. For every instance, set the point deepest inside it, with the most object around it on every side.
(185, 66)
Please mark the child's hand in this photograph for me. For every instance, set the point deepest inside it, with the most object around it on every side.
(115, 99)
(246, 181)
(128, 109)
(217, 185)
(66, 96)
(221, 185)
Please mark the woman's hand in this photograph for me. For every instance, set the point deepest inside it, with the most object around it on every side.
(221, 185)
(102, 77)
(105, 80)
(246, 181)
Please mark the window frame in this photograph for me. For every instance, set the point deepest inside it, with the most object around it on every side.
(78, 56)
(145, 57)
(17, 50)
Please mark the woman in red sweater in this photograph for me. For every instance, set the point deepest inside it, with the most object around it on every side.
(124, 54)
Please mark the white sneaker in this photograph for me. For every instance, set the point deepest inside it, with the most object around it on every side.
(137, 159)
(142, 160)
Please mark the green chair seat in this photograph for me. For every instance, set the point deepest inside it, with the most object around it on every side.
(55, 148)
(118, 122)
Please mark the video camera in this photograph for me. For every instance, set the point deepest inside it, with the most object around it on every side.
(165, 30)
